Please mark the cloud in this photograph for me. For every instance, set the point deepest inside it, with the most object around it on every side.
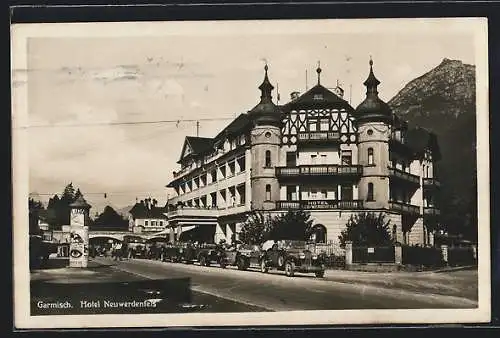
(119, 73)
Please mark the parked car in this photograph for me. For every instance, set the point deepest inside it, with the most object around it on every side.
(135, 246)
(187, 253)
(207, 254)
(244, 256)
(292, 256)
(171, 252)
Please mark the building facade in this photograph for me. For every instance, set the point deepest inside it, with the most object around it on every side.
(147, 217)
(315, 153)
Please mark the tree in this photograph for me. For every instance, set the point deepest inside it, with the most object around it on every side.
(109, 219)
(256, 228)
(34, 208)
(366, 229)
(293, 225)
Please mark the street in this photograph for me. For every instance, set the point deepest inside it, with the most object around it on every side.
(276, 292)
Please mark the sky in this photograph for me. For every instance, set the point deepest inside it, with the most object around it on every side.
(81, 89)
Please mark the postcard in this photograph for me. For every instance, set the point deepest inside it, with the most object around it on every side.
(250, 173)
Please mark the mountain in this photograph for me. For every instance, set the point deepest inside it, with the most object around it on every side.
(443, 101)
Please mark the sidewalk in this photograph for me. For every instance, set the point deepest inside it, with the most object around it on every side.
(450, 282)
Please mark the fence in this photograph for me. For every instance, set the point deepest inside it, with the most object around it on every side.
(428, 257)
(459, 256)
(383, 254)
(335, 255)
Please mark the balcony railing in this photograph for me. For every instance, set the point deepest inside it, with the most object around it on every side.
(319, 136)
(319, 170)
(404, 208)
(431, 211)
(404, 176)
(320, 204)
(194, 212)
(430, 183)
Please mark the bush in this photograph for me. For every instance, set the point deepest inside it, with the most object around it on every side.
(366, 229)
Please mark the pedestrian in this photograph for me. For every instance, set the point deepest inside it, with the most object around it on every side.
(118, 251)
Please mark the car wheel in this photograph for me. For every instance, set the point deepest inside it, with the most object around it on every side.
(263, 266)
(203, 261)
(289, 269)
(320, 274)
(222, 264)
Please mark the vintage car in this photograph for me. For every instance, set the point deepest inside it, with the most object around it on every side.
(135, 246)
(40, 250)
(171, 252)
(210, 253)
(292, 256)
(243, 256)
(187, 253)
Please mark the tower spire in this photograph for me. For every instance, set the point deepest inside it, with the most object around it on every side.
(371, 82)
(318, 70)
(266, 88)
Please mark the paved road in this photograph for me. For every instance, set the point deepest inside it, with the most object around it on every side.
(276, 292)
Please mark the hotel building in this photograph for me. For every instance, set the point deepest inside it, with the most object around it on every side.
(316, 153)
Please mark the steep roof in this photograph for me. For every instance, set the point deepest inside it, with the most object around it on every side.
(80, 203)
(235, 127)
(195, 146)
(140, 210)
(317, 97)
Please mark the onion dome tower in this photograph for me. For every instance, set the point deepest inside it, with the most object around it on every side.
(265, 138)
(373, 108)
(373, 118)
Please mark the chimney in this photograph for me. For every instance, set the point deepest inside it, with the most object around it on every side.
(294, 95)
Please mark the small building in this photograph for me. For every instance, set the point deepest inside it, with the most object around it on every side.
(146, 217)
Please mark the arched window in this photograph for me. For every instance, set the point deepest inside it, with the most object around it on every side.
(319, 233)
(268, 192)
(370, 156)
(369, 195)
(268, 158)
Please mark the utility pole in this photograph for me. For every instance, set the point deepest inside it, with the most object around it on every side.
(350, 93)
(197, 128)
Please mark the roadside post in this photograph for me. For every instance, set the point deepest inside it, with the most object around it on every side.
(79, 234)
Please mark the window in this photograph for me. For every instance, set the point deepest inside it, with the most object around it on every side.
(318, 97)
(268, 192)
(313, 159)
(313, 194)
(346, 157)
(369, 196)
(323, 195)
(291, 159)
(324, 125)
(313, 125)
(161, 223)
(346, 193)
(323, 159)
(153, 223)
(268, 158)
(370, 156)
(146, 223)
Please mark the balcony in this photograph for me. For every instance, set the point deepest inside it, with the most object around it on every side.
(320, 204)
(318, 136)
(404, 208)
(404, 177)
(430, 183)
(431, 211)
(319, 170)
(193, 212)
